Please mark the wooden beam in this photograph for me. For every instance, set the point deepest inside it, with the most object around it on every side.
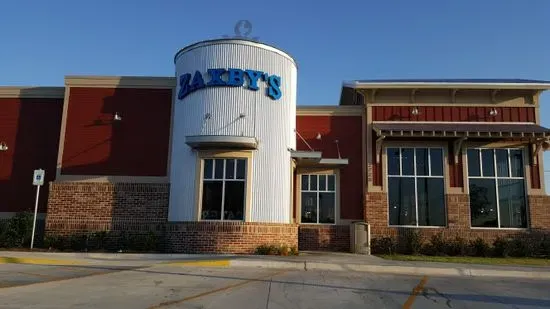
(373, 96)
(379, 148)
(493, 95)
(453, 95)
(413, 95)
(457, 147)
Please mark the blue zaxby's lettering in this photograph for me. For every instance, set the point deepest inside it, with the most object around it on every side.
(229, 78)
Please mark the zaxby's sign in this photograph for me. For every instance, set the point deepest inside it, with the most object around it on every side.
(229, 78)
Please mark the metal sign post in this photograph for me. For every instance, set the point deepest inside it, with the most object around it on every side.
(37, 180)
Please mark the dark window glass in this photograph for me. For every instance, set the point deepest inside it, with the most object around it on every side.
(208, 168)
(312, 182)
(233, 200)
(393, 161)
(422, 161)
(218, 168)
(241, 169)
(502, 162)
(212, 200)
(331, 179)
(483, 203)
(322, 182)
(305, 182)
(309, 207)
(230, 169)
(473, 163)
(402, 198)
(436, 161)
(488, 162)
(407, 161)
(431, 202)
(516, 162)
(512, 206)
(326, 207)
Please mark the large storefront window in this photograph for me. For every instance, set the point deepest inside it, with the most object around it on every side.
(416, 186)
(318, 198)
(497, 188)
(223, 189)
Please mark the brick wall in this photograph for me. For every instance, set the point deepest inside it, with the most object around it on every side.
(324, 237)
(458, 219)
(227, 237)
(78, 207)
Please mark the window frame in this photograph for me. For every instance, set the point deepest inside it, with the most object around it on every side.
(318, 172)
(444, 177)
(199, 181)
(496, 178)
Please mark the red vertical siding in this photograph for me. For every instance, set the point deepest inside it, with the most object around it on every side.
(347, 130)
(455, 169)
(452, 113)
(30, 128)
(135, 146)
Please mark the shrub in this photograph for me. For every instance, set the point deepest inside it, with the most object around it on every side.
(276, 250)
(457, 246)
(383, 245)
(413, 242)
(54, 242)
(17, 231)
(479, 247)
(78, 242)
(3, 233)
(501, 247)
(436, 246)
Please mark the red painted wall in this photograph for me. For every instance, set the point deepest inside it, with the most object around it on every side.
(135, 146)
(30, 128)
(347, 130)
(451, 113)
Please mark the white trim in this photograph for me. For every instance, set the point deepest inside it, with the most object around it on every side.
(495, 178)
(451, 85)
(416, 177)
(329, 110)
(318, 192)
(224, 180)
(453, 122)
(32, 92)
(233, 41)
(96, 81)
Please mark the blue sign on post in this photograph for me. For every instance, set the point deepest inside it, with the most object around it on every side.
(229, 78)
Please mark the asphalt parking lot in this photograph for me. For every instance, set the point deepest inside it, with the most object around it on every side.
(176, 286)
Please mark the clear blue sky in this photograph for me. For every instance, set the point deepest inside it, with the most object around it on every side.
(332, 41)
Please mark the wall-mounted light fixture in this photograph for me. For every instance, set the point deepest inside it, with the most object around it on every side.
(242, 115)
(117, 117)
(207, 116)
(493, 112)
(415, 111)
(318, 137)
(3, 146)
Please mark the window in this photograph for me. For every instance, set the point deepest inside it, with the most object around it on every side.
(416, 186)
(223, 189)
(318, 198)
(497, 188)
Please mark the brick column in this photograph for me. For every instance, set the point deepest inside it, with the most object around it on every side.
(539, 211)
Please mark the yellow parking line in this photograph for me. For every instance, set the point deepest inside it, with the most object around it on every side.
(38, 261)
(417, 289)
(204, 263)
(225, 288)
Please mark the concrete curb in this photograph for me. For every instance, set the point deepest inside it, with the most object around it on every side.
(395, 270)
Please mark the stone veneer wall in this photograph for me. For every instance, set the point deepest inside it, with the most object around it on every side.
(458, 219)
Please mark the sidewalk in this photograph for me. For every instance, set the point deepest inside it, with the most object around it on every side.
(324, 261)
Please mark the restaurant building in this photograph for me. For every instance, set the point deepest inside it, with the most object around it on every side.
(219, 158)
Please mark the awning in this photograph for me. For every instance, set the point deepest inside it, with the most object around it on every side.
(457, 129)
(460, 131)
(315, 158)
(221, 142)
